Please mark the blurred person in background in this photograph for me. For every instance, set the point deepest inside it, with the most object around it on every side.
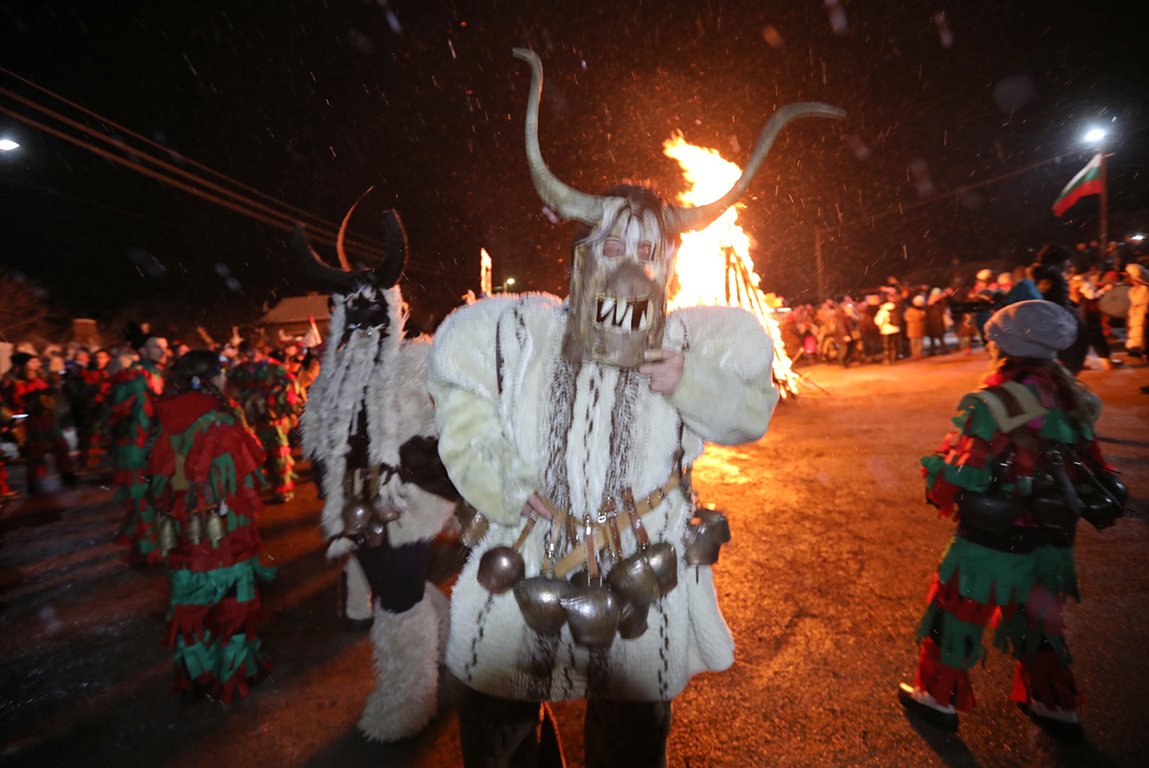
(915, 316)
(26, 391)
(1138, 307)
(938, 320)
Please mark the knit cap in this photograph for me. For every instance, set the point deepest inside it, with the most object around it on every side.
(1032, 328)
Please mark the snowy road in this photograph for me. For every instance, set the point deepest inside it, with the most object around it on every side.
(822, 585)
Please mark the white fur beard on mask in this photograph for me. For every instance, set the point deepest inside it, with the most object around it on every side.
(362, 372)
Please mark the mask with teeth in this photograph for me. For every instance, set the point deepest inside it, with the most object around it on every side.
(624, 251)
(619, 275)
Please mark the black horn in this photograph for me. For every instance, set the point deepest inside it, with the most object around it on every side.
(688, 219)
(315, 268)
(390, 269)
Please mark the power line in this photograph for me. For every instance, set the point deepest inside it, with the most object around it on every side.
(173, 153)
(168, 166)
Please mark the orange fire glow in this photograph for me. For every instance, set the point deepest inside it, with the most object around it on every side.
(714, 266)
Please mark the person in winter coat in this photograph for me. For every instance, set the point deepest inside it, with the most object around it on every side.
(915, 316)
(1049, 274)
(936, 317)
(891, 333)
(1138, 307)
(871, 336)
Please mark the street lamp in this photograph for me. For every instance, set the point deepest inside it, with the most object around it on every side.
(506, 283)
(1097, 136)
(7, 145)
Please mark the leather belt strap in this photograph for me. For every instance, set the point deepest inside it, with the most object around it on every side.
(577, 556)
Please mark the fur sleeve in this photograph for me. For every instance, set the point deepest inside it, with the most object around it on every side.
(727, 392)
(463, 381)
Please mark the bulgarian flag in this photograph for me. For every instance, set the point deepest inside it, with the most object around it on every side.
(1086, 182)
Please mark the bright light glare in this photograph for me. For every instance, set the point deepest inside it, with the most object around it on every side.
(7, 145)
(1138, 238)
(1095, 135)
(510, 281)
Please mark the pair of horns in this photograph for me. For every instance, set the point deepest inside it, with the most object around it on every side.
(385, 274)
(569, 203)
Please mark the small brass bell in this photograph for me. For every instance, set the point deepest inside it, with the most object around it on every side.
(167, 537)
(474, 525)
(193, 529)
(216, 529)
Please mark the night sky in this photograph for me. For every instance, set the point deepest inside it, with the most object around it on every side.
(313, 102)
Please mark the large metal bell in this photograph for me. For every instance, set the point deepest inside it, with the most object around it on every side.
(376, 533)
(704, 537)
(593, 613)
(540, 600)
(633, 579)
(357, 516)
(632, 621)
(384, 511)
(663, 559)
(500, 568)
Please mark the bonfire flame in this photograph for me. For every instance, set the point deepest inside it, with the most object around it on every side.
(714, 266)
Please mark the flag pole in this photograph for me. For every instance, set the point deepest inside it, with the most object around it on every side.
(1104, 243)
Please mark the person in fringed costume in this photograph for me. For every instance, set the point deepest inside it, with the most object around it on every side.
(370, 423)
(26, 391)
(131, 424)
(571, 427)
(204, 483)
(270, 399)
(86, 388)
(1016, 475)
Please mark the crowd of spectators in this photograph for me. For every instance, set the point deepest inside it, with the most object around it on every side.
(900, 321)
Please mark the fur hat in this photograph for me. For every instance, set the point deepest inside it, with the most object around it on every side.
(1032, 328)
(20, 359)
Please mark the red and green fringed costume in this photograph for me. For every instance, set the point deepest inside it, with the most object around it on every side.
(42, 433)
(205, 465)
(86, 391)
(132, 426)
(1016, 581)
(270, 398)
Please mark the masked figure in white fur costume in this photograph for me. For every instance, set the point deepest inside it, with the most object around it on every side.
(559, 419)
(370, 423)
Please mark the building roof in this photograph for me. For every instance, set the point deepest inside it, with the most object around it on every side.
(295, 309)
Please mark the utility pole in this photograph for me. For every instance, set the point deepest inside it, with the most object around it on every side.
(818, 257)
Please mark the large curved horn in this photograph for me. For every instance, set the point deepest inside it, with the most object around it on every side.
(343, 260)
(687, 219)
(390, 269)
(316, 269)
(567, 201)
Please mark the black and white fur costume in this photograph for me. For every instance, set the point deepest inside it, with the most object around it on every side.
(374, 380)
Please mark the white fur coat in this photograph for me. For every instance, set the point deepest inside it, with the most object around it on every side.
(390, 374)
(515, 417)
